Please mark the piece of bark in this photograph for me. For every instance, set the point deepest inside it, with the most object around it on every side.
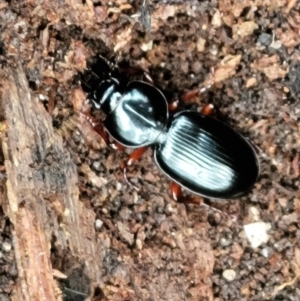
(42, 197)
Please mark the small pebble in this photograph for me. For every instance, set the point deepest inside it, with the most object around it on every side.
(43, 97)
(135, 197)
(257, 233)
(224, 242)
(254, 213)
(6, 246)
(98, 223)
(169, 208)
(139, 244)
(229, 275)
(216, 19)
(251, 82)
(265, 39)
(97, 165)
(265, 252)
(119, 186)
(214, 49)
(147, 46)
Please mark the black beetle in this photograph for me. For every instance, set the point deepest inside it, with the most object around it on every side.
(196, 151)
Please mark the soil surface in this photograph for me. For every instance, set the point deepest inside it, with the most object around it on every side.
(152, 247)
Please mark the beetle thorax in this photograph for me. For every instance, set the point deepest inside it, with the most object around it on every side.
(139, 117)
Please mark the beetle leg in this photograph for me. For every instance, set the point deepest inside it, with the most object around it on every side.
(117, 145)
(208, 110)
(173, 106)
(137, 154)
(212, 111)
(100, 130)
(176, 194)
(196, 92)
(196, 200)
(190, 94)
(97, 127)
(175, 191)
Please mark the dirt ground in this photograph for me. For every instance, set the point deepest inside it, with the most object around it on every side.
(153, 248)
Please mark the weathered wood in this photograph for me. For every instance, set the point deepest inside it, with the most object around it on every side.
(42, 196)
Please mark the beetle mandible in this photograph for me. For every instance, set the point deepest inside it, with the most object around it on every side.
(195, 150)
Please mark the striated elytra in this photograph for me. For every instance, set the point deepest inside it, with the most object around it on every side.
(207, 157)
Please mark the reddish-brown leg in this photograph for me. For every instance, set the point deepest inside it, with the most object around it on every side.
(212, 111)
(97, 127)
(194, 93)
(208, 110)
(173, 106)
(195, 200)
(100, 130)
(176, 191)
(137, 154)
(176, 194)
(190, 94)
(117, 145)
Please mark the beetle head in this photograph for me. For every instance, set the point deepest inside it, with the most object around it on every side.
(106, 96)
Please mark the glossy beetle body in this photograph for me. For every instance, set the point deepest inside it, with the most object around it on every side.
(196, 151)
